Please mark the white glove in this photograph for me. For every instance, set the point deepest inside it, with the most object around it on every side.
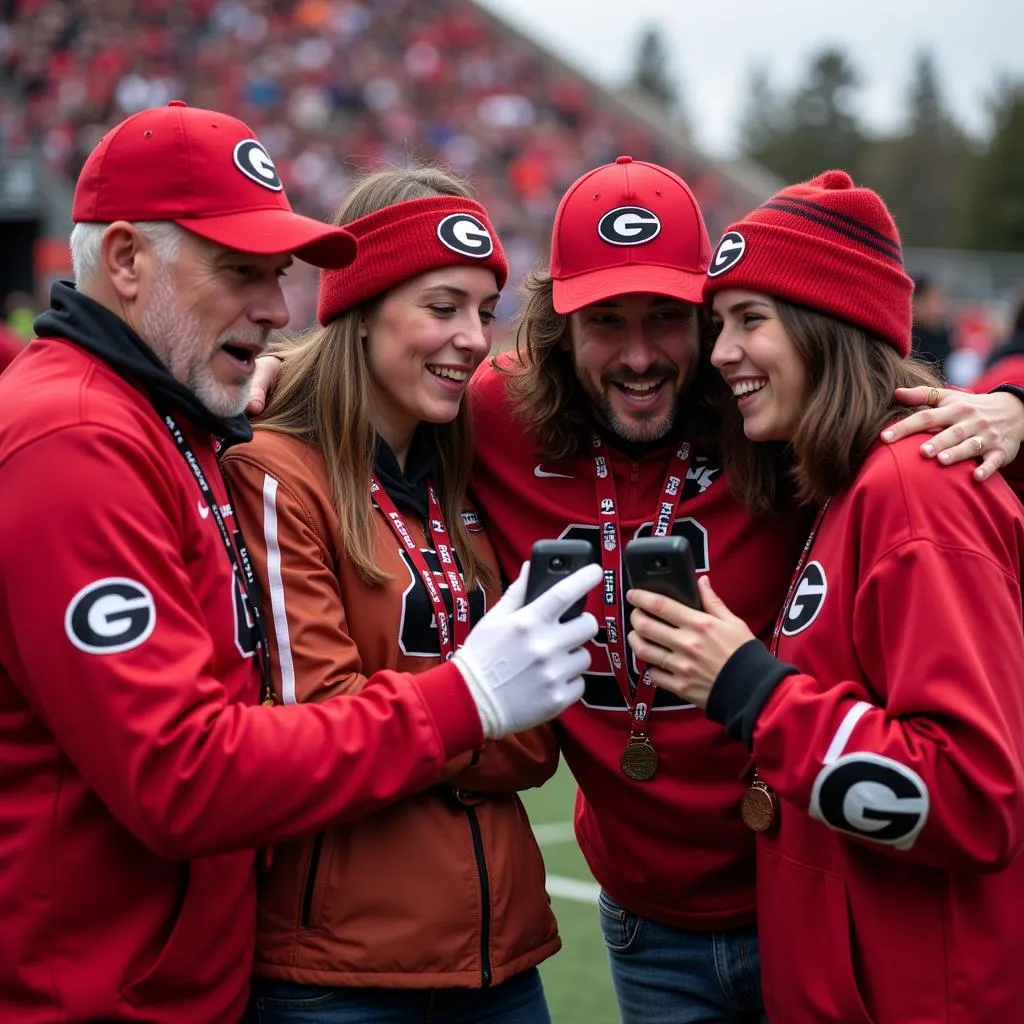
(521, 664)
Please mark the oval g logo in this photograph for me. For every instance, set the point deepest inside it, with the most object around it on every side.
(465, 234)
(873, 797)
(254, 162)
(110, 615)
(808, 597)
(629, 225)
(729, 252)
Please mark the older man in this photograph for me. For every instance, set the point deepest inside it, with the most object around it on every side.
(138, 770)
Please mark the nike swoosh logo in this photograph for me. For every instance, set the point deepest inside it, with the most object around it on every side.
(204, 510)
(541, 473)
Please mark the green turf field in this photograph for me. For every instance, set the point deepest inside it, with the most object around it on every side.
(578, 987)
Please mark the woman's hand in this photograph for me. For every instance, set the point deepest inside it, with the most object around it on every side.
(965, 425)
(685, 649)
(267, 369)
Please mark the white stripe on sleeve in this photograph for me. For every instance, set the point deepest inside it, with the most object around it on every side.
(846, 727)
(277, 607)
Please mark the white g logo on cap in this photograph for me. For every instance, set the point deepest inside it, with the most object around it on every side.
(629, 225)
(465, 234)
(254, 162)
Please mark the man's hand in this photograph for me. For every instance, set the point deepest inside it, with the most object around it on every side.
(964, 425)
(267, 369)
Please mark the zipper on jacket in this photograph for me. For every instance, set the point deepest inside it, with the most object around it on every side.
(314, 865)
(485, 897)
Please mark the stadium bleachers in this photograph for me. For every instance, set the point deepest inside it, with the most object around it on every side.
(333, 87)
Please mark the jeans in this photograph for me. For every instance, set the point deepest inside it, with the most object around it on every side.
(520, 1000)
(665, 975)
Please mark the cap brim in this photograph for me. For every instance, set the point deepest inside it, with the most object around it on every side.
(574, 293)
(268, 232)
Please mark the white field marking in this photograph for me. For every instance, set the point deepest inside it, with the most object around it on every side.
(554, 832)
(573, 889)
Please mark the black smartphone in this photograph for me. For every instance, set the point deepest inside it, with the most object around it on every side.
(553, 560)
(663, 565)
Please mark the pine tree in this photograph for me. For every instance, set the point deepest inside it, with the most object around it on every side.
(921, 171)
(652, 78)
(814, 130)
(996, 189)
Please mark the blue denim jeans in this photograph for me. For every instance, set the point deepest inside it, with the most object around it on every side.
(520, 1000)
(666, 975)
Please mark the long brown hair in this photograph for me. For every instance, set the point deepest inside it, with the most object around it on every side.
(548, 399)
(851, 376)
(324, 395)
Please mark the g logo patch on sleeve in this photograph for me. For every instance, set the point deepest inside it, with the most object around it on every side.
(110, 615)
(872, 797)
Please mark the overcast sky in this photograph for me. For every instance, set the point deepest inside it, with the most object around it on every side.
(714, 45)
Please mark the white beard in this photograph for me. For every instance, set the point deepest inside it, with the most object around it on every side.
(176, 337)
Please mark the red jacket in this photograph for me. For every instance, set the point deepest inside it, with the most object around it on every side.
(891, 889)
(137, 770)
(673, 848)
(1009, 370)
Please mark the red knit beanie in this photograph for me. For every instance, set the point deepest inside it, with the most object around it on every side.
(827, 245)
(407, 239)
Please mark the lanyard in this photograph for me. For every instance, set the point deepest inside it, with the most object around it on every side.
(798, 572)
(611, 563)
(241, 567)
(443, 547)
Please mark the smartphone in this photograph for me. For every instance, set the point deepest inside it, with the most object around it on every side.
(553, 560)
(663, 565)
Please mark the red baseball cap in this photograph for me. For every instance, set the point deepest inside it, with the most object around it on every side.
(206, 172)
(627, 227)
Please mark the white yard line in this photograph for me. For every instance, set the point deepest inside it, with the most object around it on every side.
(573, 889)
(554, 832)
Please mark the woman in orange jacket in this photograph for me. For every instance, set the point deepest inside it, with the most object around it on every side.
(352, 494)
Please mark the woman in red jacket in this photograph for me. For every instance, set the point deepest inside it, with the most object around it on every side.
(886, 718)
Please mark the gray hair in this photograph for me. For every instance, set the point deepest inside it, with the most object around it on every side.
(87, 240)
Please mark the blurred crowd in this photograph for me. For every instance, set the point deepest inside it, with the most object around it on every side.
(332, 87)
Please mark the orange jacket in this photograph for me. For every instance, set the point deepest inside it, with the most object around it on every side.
(441, 889)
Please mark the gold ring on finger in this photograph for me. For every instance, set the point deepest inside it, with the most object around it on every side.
(933, 397)
(978, 444)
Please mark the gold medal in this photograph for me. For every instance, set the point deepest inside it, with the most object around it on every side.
(639, 760)
(758, 806)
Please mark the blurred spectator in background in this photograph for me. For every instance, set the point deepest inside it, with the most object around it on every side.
(1006, 364)
(932, 337)
(10, 345)
(333, 88)
(20, 312)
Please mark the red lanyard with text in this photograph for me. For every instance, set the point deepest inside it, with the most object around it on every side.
(238, 555)
(759, 807)
(639, 760)
(443, 547)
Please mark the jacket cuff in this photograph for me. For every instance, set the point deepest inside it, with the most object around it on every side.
(1010, 389)
(742, 688)
(450, 704)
